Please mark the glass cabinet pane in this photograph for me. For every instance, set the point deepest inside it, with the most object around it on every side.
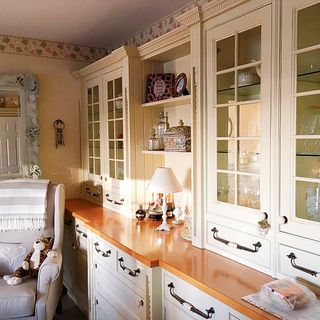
(225, 88)
(97, 166)
(111, 150)
(249, 46)
(249, 120)
(119, 150)
(308, 22)
(225, 155)
(225, 53)
(225, 187)
(308, 71)
(119, 129)
(248, 84)
(118, 87)
(111, 129)
(226, 119)
(308, 200)
(96, 112)
(97, 131)
(95, 94)
(118, 108)
(249, 191)
(90, 114)
(248, 156)
(120, 170)
(110, 90)
(89, 96)
(112, 169)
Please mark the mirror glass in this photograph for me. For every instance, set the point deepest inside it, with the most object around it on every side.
(19, 128)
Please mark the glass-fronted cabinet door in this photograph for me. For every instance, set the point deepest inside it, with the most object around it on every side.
(238, 162)
(301, 118)
(114, 129)
(92, 152)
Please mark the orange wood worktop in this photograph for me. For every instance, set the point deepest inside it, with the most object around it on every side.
(222, 278)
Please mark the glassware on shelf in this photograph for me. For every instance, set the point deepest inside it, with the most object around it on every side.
(313, 203)
(162, 127)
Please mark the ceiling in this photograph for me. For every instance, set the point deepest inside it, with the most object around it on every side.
(98, 23)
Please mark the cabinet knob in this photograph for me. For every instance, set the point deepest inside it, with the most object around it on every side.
(283, 220)
(140, 303)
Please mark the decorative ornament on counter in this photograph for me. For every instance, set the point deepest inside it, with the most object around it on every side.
(59, 127)
(180, 86)
(162, 128)
(154, 141)
(140, 213)
(179, 214)
(178, 138)
(159, 86)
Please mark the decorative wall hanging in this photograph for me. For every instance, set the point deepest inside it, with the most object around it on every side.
(59, 127)
(180, 86)
(159, 86)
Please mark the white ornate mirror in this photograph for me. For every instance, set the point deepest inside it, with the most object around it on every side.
(19, 128)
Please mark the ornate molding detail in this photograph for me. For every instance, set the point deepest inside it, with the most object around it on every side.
(215, 8)
(49, 49)
(26, 86)
(190, 17)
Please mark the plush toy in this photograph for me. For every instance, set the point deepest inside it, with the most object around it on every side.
(31, 264)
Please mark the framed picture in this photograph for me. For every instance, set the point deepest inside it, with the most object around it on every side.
(159, 86)
(180, 86)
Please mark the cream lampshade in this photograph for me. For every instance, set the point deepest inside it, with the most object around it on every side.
(164, 181)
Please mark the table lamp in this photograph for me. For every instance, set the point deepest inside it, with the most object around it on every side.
(164, 181)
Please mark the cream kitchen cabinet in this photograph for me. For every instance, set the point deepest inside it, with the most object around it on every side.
(183, 301)
(113, 163)
(120, 287)
(300, 141)
(238, 121)
(75, 275)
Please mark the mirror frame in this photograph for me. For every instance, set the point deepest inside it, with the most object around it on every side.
(26, 85)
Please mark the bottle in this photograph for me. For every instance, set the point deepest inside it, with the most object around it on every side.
(162, 127)
(140, 213)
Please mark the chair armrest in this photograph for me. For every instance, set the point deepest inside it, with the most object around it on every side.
(49, 270)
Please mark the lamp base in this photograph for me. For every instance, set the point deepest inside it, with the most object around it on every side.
(164, 226)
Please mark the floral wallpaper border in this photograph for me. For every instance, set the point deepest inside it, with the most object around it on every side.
(66, 51)
(49, 49)
(158, 28)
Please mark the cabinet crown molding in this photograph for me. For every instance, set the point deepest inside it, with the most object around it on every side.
(170, 40)
(114, 57)
(190, 17)
(213, 9)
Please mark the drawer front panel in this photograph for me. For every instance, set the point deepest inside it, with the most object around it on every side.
(114, 200)
(238, 243)
(131, 270)
(104, 252)
(81, 235)
(199, 299)
(173, 312)
(103, 310)
(309, 262)
(130, 304)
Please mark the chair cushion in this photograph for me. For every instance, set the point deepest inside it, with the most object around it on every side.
(17, 301)
(11, 256)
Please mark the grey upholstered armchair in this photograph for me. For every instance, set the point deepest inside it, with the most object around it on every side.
(34, 299)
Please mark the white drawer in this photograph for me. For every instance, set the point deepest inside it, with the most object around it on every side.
(122, 298)
(104, 252)
(81, 235)
(236, 244)
(172, 312)
(133, 272)
(175, 289)
(103, 310)
(291, 266)
(114, 200)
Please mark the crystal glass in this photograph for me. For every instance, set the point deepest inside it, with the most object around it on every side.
(249, 156)
(248, 82)
(249, 191)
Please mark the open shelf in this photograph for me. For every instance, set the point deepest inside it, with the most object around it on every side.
(313, 76)
(164, 152)
(305, 154)
(172, 102)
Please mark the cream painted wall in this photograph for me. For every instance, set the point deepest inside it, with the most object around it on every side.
(59, 95)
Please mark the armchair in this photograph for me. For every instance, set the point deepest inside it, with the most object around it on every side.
(34, 299)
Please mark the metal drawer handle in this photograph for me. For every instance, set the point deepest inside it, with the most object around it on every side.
(119, 203)
(132, 273)
(81, 232)
(105, 254)
(93, 194)
(293, 257)
(114, 201)
(207, 315)
(235, 245)
(108, 199)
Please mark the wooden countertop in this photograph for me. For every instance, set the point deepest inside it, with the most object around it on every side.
(222, 278)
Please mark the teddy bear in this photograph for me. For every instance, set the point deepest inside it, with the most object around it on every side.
(32, 262)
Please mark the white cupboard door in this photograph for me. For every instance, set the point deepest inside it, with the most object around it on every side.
(300, 114)
(114, 129)
(91, 114)
(238, 117)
